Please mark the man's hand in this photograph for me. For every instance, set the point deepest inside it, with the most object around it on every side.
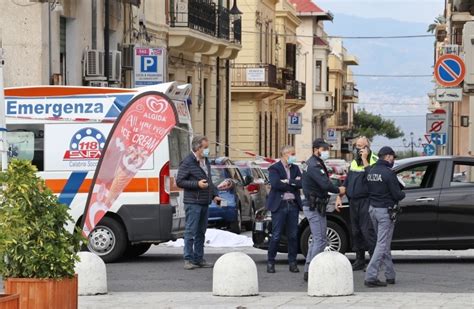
(203, 184)
(342, 190)
(338, 203)
(285, 181)
(217, 200)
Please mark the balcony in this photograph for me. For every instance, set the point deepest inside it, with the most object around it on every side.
(343, 119)
(350, 94)
(295, 92)
(201, 26)
(257, 80)
(323, 103)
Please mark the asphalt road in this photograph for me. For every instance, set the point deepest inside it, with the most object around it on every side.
(161, 270)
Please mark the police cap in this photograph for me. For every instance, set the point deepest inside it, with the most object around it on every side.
(320, 142)
(386, 150)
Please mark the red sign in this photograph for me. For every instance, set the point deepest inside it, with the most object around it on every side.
(140, 128)
(436, 126)
(449, 70)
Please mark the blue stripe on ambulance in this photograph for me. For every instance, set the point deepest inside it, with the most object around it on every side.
(72, 187)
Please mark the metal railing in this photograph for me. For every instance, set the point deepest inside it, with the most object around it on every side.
(295, 90)
(236, 33)
(255, 75)
(223, 23)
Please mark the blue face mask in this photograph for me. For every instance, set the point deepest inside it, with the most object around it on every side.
(292, 160)
(325, 155)
(205, 153)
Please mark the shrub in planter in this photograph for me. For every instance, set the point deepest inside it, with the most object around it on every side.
(37, 252)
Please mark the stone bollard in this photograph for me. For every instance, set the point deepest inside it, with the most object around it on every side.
(235, 274)
(91, 273)
(330, 274)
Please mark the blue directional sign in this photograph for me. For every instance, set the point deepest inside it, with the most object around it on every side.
(438, 138)
(429, 149)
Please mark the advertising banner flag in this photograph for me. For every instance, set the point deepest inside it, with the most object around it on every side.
(139, 129)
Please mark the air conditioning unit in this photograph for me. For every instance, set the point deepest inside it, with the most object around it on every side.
(97, 83)
(93, 63)
(181, 12)
(115, 66)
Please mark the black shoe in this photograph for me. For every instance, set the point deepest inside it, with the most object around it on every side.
(271, 268)
(294, 268)
(305, 276)
(375, 284)
(358, 265)
(391, 281)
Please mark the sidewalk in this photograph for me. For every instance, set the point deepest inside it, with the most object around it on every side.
(273, 300)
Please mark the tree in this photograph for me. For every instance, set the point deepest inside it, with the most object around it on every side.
(406, 154)
(369, 125)
(440, 20)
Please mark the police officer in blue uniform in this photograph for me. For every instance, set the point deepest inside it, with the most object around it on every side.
(316, 188)
(363, 234)
(384, 194)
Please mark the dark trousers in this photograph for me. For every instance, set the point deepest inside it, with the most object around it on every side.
(286, 216)
(195, 232)
(363, 234)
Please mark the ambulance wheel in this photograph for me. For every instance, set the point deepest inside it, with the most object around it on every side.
(108, 240)
(136, 250)
(337, 238)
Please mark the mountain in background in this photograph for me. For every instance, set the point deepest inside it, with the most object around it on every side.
(401, 99)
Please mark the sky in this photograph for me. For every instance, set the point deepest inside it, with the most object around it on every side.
(404, 10)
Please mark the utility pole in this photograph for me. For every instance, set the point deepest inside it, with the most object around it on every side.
(3, 126)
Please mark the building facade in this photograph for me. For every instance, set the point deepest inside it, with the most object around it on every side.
(454, 37)
(65, 42)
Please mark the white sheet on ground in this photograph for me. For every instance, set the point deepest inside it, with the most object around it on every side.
(218, 238)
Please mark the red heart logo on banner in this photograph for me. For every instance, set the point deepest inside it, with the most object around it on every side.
(156, 106)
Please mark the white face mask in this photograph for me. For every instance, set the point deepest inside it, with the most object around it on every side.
(325, 155)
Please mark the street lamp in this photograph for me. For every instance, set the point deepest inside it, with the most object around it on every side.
(412, 143)
(53, 6)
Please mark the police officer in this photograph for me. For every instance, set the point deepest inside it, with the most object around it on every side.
(363, 234)
(316, 186)
(384, 194)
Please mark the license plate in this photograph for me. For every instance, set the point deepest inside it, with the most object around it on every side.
(259, 226)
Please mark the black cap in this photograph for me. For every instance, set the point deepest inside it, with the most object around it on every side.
(320, 142)
(386, 150)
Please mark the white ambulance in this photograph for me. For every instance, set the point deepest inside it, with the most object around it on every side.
(63, 130)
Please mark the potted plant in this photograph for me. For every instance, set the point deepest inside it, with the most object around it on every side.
(37, 252)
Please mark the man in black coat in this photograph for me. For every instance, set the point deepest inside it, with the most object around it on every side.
(194, 176)
(284, 201)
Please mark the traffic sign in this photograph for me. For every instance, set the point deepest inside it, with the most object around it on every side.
(149, 66)
(333, 137)
(436, 123)
(448, 94)
(449, 70)
(295, 123)
(438, 139)
(429, 149)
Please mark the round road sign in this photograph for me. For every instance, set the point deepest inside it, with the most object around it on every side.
(449, 70)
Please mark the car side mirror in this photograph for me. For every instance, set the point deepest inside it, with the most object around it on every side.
(248, 180)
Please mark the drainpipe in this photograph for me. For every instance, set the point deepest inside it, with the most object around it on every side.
(218, 105)
(106, 41)
(227, 106)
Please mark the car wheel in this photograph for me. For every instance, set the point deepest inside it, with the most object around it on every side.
(337, 238)
(136, 250)
(236, 226)
(108, 240)
(249, 224)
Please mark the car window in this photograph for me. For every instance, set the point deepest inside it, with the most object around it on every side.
(418, 176)
(245, 171)
(218, 175)
(462, 174)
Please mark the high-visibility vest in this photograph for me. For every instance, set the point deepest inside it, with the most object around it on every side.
(356, 168)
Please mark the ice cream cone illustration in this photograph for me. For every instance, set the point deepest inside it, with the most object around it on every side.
(121, 179)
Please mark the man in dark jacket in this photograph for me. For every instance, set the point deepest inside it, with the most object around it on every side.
(363, 234)
(384, 194)
(284, 201)
(316, 188)
(194, 176)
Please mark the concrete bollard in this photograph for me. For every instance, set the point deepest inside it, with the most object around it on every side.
(235, 274)
(330, 274)
(92, 275)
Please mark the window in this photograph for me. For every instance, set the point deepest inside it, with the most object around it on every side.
(179, 145)
(418, 176)
(26, 141)
(463, 174)
(318, 75)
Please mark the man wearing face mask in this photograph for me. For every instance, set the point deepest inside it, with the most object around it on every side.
(316, 188)
(284, 201)
(194, 176)
(384, 194)
(363, 235)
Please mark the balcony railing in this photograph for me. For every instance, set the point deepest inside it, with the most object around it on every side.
(343, 119)
(236, 33)
(223, 23)
(255, 75)
(295, 90)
